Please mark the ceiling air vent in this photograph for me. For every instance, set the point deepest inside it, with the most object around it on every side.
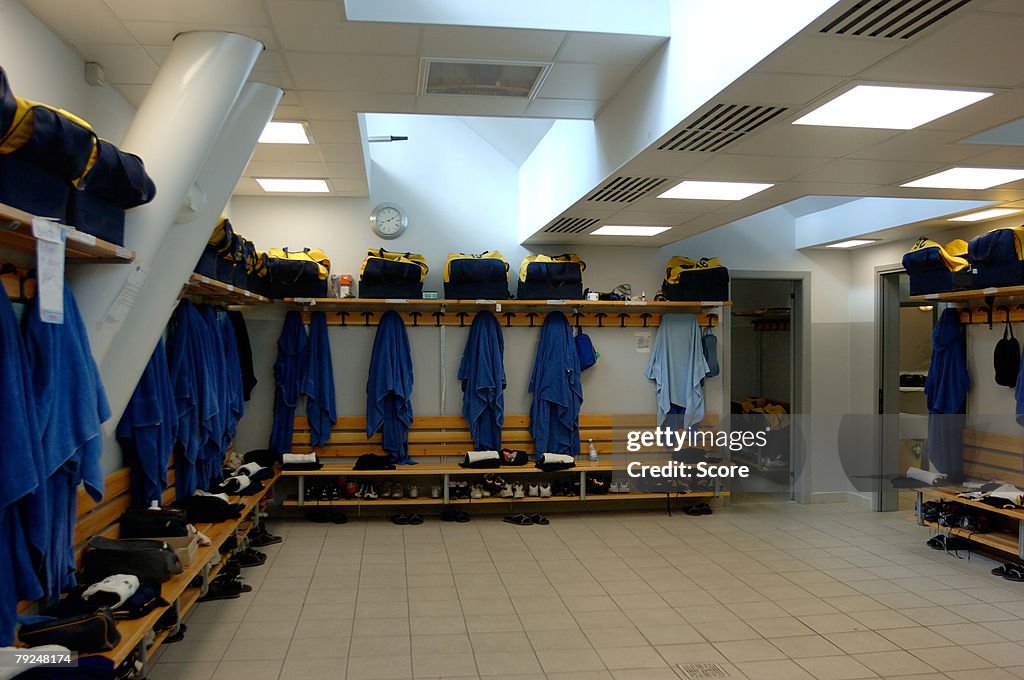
(893, 19)
(720, 126)
(516, 79)
(625, 189)
(570, 225)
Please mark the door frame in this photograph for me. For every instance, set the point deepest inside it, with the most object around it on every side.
(801, 333)
(886, 353)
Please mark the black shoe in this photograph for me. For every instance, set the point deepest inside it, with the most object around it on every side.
(220, 591)
(260, 539)
(177, 637)
(250, 558)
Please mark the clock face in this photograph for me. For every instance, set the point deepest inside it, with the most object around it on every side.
(389, 221)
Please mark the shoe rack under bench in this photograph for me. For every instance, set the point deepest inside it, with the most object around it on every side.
(1002, 541)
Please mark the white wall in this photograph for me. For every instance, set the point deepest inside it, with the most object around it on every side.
(43, 68)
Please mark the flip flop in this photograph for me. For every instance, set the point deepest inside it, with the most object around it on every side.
(449, 515)
(539, 519)
(402, 519)
(461, 517)
(415, 519)
(704, 508)
(519, 520)
(1003, 569)
(692, 510)
(1014, 573)
(320, 516)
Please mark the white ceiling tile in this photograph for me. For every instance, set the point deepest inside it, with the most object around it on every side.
(664, 163)
(922, 145)
(226, 13)
(157, 53)
(354, 72)
(1010, 6)
(286, 169)
(988, 113)
(287, 112)
(868, 171)
(469, 42)
(342, 105)
(471, 106)
(288, 153)
(608, 48)
(270, 60)
(341, 153)
(584, 81)
(320, 27)
(281, 79)
(733, 167)
(1004, 157)
(778, 89)
(247, 186)
(355, 170)
(663, 218)
(348, 186)
(564, 108)
(828, 55)
(335, 131)
(805, 140)
(162, 33)
(976, 50)
(133, 93)
(91, 21)
(122, 64)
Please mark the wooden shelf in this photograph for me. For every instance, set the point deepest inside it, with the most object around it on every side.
(997, 540)
(133, 631)
(966, 295)
(430, 306)
(218, 292)
(608, 464)
(16, 233)
(951, 495)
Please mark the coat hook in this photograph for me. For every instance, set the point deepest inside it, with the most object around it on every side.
(645, 316)
(531, 316)
(508, 319)
(344, 318)
(576, 316)
(462, 319)
(712, 318)
(600, 319)
(366, 318)
(1004, 308)
(415, 318)
(437, 319)
(990, 301)
(622, 319)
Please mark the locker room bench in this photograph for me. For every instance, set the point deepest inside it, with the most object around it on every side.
(987, 455)
(440, 443)
(101, 519)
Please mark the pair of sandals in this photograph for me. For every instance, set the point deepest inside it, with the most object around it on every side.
(325, 515)
(698, 509)
(527, 520)
(451, 515)
(1010, 571)
(952, 544)
(403, 519)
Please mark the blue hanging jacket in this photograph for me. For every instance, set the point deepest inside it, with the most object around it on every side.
(319, 383)
(194, 395)
(233, 370)
(20, 476)
(215, 442)
(557, 390)
(946, 390)
(71, 405)
(389, 388)
(482, 373)
(148, 429)
(678, 366)
(289, 374)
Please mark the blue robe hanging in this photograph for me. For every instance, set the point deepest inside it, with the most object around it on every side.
(210, 468)
(20, 475)
(946, 390)
(389, 388)
(148, 428)
(289, 374)
(194, 395)
(233, 371)
(319, 383)
(482, 373)
(557, 390)
(678, 367)
(71, 406)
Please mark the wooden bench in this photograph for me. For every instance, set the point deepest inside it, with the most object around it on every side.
(439, 444)
(987, 456)
(101, 519)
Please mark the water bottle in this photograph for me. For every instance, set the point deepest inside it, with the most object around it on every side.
(593, 450)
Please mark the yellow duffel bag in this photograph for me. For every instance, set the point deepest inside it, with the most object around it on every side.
(472, 277)
(387, 274)
(551, 277)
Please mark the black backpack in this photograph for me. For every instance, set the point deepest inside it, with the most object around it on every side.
(1006, 358)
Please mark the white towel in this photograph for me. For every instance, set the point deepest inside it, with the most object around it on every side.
(248, 469)
(556, 459)
(122, 585)
(477, 456)
(298, 458)
(223, 496)
(925, 476)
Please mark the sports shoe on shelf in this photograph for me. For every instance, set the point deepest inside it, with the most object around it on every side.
(398, 491)
(370, 493)
(506, 491)
(533, 491)
(385, 490)
(476, 492)
(414, 491)
(518, 491)
(435, 491)
(545, 490)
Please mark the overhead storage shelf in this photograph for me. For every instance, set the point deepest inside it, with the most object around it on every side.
(968, 295)
(16, 233)
(218, 292)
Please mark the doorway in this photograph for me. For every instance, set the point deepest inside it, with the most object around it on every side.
(762, 384)
(906, 346)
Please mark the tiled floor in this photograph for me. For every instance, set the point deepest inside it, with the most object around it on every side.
(769, 592)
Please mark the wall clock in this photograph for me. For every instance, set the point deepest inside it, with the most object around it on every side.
(389, 221)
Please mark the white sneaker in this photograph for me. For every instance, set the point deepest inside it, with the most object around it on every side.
(623, 487)
(435, 491)
(545, 490)
(476, 492)
(506, 491)
(613, 487)
(518, 491)
(414, 491)
(370, 493)
(533, 491)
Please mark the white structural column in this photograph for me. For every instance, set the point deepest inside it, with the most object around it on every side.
(183, 244)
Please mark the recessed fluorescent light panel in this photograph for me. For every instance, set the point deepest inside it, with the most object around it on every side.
(617, 230)
(852, 243)
(968, 178)
(892, 108)
(294, 186)
(482, 78)
(284, 132)
(990, 214)
(714, 191)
